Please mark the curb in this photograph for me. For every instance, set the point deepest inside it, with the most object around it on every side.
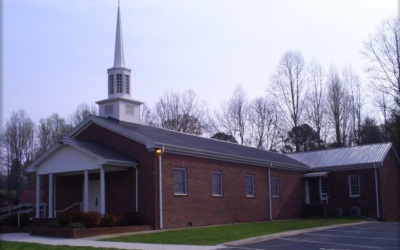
(288, 233)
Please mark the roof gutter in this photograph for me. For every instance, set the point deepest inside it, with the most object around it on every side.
(348, 167)
(269, 193)
(225, 157)
(378, 212)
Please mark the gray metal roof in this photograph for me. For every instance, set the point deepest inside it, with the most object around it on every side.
(99, 150)
(341, 157)
(172, 139)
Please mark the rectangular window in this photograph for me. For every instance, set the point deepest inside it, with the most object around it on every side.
(217, 184)
(180, 181)
(275, 187)
(354, 185)
(325, 186)
(249, 185)
(111, 84)
(119, 83)
(127, 84)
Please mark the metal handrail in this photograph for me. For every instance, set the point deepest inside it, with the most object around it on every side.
(60, 211)
(33, 208)
(18, 207)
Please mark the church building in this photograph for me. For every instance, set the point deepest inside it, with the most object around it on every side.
(113, 164)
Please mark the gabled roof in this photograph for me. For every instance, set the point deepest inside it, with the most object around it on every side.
(102, 154)
(186, 144)
(349, 157)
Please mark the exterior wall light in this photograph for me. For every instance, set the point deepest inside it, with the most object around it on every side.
(160, 150)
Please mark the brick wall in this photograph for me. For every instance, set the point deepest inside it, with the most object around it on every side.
(291, 194)
(146, 166)
(389, 183)
(340, 196)
(198, 207)
(68, 191)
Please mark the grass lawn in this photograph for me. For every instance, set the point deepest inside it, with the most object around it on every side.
(226, 233)
(34, 246)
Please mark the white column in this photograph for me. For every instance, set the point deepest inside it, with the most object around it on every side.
(102, 191)
(37, 196)
(86, 191)
(51, 195)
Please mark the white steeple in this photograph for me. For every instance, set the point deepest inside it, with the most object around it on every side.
(119, 104)
(119, 48)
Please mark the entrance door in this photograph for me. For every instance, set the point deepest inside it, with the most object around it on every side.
(94, 196)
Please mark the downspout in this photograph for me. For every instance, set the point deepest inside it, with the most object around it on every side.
(269, 193)
(159, 152)
(378, 212)
(136, 189)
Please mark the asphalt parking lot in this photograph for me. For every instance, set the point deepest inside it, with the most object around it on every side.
(379, 235)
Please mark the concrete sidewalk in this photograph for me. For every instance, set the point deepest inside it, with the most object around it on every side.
(25, 237)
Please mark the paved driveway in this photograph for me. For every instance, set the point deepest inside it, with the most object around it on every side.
(380, 235)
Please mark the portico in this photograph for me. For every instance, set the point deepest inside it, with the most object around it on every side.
(77, 158)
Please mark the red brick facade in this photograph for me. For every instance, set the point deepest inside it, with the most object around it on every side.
(199, 207)
(339, 194)
(389, 180)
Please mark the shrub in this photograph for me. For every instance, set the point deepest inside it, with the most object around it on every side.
(91, 219)
(75, 225)
(109, 220)
(54, 225)
(63, 219)
(131, 219)
(88, 219)
(12, 220)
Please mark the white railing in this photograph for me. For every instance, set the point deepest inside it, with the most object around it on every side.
(73, 205)
(21, 209)
(4, 212)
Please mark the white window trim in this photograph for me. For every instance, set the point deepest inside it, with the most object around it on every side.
(221, 184)
(277, 187)
(359, 186)
(253, 191)
(186, 182)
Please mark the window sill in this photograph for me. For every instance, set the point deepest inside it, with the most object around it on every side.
(180, 195)
(250, 196)
(355, 196)
(276, 197)
(217, 196)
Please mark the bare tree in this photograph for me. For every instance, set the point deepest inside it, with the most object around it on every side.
(263, 120)
(181, 112)
(82, 112)
(288, 85)
(316, 102)
(233, 118)
(147, 116)
(338, 106)
(18, 140)
(50, 130)
(352, 84)
(382, 50)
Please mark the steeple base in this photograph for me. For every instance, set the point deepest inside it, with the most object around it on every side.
(122, 109)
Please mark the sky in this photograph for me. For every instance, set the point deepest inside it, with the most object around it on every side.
(55, 53)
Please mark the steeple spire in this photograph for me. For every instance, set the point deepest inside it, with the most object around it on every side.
(119, 48)
(119, 104)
